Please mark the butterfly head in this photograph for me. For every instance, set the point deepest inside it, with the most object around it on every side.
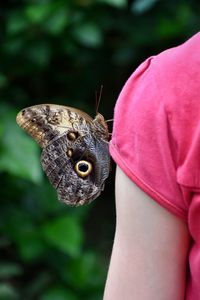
(101, 126)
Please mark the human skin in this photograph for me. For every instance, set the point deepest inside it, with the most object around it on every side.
(149, 256)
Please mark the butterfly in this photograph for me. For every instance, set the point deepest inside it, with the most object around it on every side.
(75, 152)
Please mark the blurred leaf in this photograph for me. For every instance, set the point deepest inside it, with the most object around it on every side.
(19, 155)
(123, 55)
(85, 271)
(37, 13)
(7, 292)
(117, 3)
(174, 26)
(44, 200)
(141, 6)
(26, 235)
(30, 245)
(58, 293)
(64, 233)
(88, 34)
(8, 270)
(16, 23)
(96, 296)
(56, 24)
(4, 241)
(38, 284)
(168, 28)
(3, 80)
(184, 13)
(13, 45)
(53, 16)
(39, 54)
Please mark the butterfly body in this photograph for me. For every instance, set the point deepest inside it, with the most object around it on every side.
(75, 154)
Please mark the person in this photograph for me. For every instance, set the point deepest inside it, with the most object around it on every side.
(156, 146)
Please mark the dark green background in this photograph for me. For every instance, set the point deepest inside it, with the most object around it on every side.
(62, 52)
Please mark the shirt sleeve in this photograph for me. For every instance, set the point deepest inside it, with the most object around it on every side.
(142, 143)
(156, 133)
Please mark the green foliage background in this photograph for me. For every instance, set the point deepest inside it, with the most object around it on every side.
(61, 52)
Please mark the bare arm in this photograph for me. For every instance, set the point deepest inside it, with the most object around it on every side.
(149, 255)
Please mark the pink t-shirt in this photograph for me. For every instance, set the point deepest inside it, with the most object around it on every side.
(156, 138)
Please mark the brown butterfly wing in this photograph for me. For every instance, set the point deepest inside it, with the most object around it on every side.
(60, 169)
(69, 136)
(46, 121)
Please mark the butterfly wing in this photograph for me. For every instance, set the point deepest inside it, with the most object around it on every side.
(47, 121)
(75, 154)
(60, 169)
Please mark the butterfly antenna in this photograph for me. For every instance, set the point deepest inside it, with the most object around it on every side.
(110, 120)
(98, 99)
